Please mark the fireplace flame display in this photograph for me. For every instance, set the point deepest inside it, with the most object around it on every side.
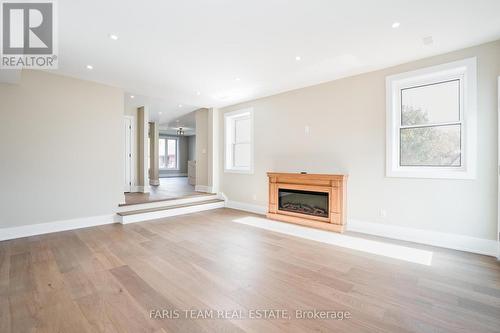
(303, 202)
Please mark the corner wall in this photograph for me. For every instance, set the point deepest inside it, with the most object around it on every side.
(61, 149)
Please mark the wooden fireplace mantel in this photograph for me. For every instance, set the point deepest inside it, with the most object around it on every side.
(334, 185)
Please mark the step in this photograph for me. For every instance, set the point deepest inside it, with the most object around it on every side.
(140, 215)
(167, 202)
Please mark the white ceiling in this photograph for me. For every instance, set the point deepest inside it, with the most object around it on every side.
(233, 50)
(187, 122)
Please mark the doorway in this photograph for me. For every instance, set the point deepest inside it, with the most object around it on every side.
(127, 128)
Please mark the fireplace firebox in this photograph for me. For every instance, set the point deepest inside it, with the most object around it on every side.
(304, 202)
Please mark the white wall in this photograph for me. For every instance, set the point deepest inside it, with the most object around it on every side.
(61, 148)
(347, 135)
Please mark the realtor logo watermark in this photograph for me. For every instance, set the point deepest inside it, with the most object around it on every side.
(29, 35)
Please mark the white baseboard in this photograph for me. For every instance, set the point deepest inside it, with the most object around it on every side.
(140, 188)
(49, 227)
(257, 209)
(167, 203)
(203, 188)
(169, 212)
(173, 175)
(429, 237)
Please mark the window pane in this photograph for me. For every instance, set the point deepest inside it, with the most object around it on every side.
(172, 154)
(431, 104)
(431, 146)
(161, 153)
(242, 155)
(242, 130)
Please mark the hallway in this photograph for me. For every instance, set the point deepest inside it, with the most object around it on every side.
(169, 188)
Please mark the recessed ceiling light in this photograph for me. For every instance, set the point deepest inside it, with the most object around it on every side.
(132, 96)
(298, 58)
(396, 25)
(237, 79)
(198, 93)
(427, 40)
(90, 67)
(160, 113)
(113, 37)
(180, 105)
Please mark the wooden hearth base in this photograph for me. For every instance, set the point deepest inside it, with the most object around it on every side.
(307, 223)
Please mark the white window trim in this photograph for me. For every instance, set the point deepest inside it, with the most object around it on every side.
(166, 137)
(229, 116)
(465, 71)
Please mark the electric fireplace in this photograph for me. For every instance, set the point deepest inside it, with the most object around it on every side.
(313, 200)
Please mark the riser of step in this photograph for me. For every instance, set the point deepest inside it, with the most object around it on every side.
(167, 203)
(169, 212)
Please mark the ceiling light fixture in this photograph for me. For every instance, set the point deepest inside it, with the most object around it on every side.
(132, 96)
(160, 113)
(237, 79)
(298, 58)
(428, 40)
(113, 37)
(90, 67)
(180, 105)
(396, 25)
(198, 93)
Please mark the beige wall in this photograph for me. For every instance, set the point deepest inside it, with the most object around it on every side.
(201, 147)
(347, 135)
(61, 142)
(132, 112)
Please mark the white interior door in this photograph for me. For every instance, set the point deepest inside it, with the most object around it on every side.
(127, 127)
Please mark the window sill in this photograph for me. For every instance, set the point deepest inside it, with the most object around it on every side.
(241, 171)
(165, 169)
(431, 174)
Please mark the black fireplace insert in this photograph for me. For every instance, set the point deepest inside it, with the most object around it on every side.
(304, 202)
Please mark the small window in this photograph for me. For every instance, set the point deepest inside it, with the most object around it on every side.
(239, 141)
(171, 153)
(431, 122)
(168, 157)
(162, 154)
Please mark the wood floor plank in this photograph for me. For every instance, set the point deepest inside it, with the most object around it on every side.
(109, 278)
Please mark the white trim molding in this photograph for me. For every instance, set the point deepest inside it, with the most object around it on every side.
(141, 217)
(256, 209)
(463, 71)
(428, 237)
(50, 227)
(172, 175)
(141, 189)
(203, 188)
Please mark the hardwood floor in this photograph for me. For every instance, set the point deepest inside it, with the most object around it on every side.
(110, 278)
(169, 188)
